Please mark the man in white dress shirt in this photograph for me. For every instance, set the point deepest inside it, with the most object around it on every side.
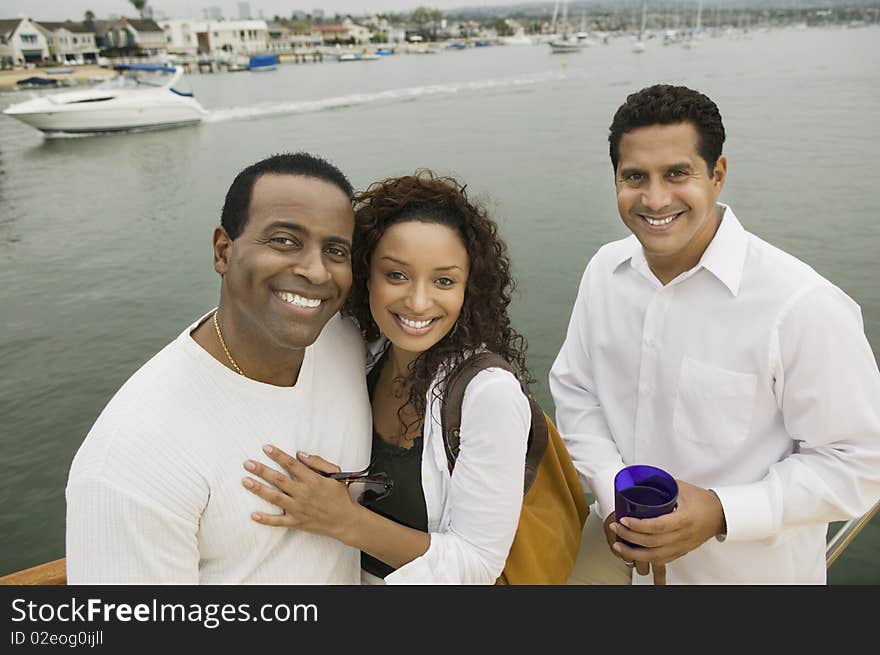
(155, 493)
(697, 347)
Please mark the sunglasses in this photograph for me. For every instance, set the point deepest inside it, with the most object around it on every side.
(364, 486)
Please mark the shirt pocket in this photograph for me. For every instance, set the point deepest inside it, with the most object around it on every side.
(714, 406)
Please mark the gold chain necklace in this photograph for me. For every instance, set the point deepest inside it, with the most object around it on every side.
(225, 349)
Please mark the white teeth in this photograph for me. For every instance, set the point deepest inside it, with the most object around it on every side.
(299, 301)
(414, 324)
(660, 221)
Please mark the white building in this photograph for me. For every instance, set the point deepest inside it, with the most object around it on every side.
(22, 41)
(191, 36)
(304, 37)
(278, 39)
(359, 33)
(347, 32)
(181, 35)
(71, 43)
(144, 35)
(393, 34)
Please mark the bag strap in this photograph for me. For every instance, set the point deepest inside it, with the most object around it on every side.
(450, 414)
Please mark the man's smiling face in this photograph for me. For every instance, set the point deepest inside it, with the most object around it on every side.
(289, 271)
(667, 195)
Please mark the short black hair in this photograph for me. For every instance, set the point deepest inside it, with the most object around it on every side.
(663, 104)
(238, 198)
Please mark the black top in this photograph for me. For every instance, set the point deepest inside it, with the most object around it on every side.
(406, 504)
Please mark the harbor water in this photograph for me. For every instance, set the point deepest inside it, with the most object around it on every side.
(105, 241)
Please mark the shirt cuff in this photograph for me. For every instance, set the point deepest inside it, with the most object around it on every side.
(603, 489)
(747, 511)
(418, 571)
(441, 565)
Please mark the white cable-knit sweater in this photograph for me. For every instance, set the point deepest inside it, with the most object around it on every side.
(155, 495)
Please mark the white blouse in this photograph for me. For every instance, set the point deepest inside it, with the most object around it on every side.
(473, 513)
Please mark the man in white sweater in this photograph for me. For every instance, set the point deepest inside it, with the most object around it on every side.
(155, 494)
(699, 348)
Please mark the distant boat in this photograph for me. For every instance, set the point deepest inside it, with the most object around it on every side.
(566, 43)
(259, 63)
(384, 51)
(639, 45)
(560, 47)
(582, 35)
(143, 96)
(456, 46)
(357, 56)
(695, 34)
(36, 82)
(670, 36)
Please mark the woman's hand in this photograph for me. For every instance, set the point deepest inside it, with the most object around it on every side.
(309, 501)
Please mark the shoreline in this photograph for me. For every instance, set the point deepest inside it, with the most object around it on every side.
(82, 74)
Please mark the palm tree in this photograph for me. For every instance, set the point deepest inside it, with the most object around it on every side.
(424, 16)
(140, 5)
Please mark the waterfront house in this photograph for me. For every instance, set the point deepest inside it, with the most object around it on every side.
(290, 36)
(383, 31)
(22, 42)
(181, 35)
(346, 32)
(359, 33)
(141, 36)
(278, 37)
(215, 37)
(304, 36)
(101, 27)
(332, 34)
(71, 43)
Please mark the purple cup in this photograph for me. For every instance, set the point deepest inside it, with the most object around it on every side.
(643, 492)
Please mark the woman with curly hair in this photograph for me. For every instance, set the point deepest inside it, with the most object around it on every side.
(432, 285)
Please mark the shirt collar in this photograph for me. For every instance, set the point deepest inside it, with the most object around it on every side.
(726, 254)
(630, 249)
(724, 257)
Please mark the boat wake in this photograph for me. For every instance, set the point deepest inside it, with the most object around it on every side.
(382, 97)
(73, 135)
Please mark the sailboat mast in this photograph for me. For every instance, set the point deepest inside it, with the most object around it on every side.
(644, 15)
(565, 18)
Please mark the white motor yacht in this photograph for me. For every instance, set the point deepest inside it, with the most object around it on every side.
(142, 96)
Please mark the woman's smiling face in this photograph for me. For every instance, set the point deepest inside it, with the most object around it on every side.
(418, 275)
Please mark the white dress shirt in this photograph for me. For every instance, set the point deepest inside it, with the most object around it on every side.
(749, 374)
(473, 513)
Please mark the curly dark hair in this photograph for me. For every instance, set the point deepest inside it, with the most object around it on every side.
(483, 321)
(663, 104)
